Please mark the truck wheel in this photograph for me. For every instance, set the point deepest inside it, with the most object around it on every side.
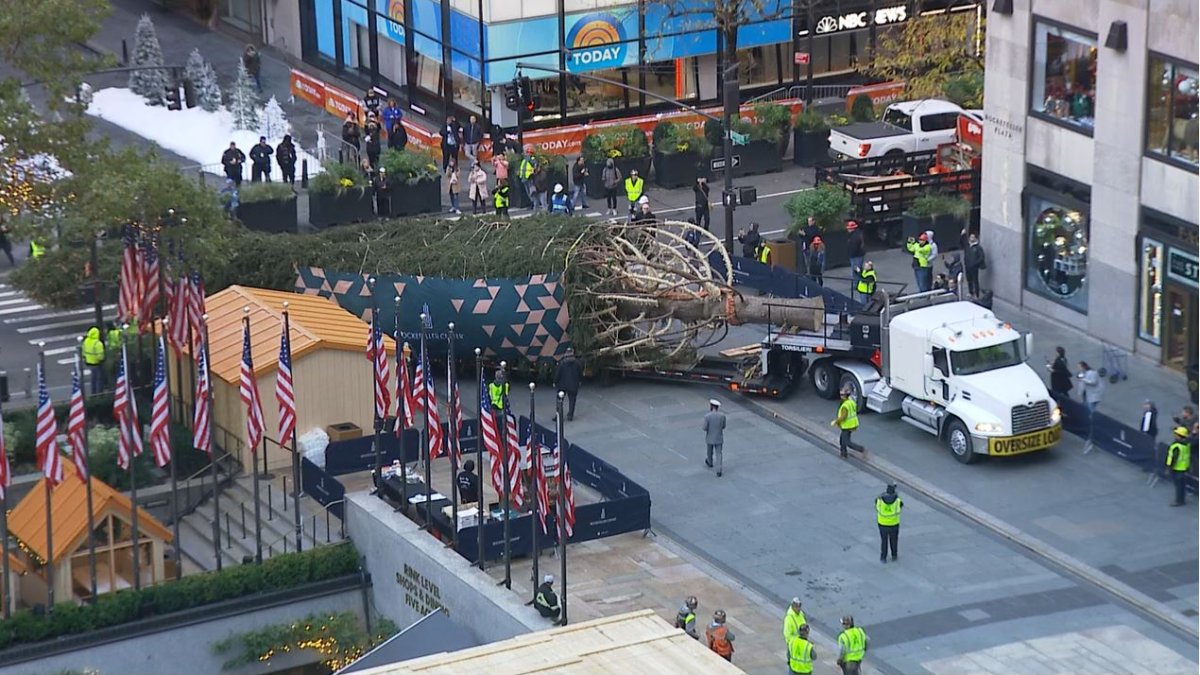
(958, 439)
(850, 382)
(823, 379)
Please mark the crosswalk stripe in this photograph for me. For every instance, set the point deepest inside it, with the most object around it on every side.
(7, 294)
(55, 338)
(71, 362)
(17, 301)
(19, 310)
(60, 350)
(82, 321)
(50, 315)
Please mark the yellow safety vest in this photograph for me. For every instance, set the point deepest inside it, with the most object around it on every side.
(851, 419)
(792, 622)
(93, 348)
(113, 340)
(501, 197)
(920, 251)
(853, 642)
(887, 514)
(497, 392)
(764, 253)
(36, 250)
(1179, 456)
(526, 169)
(866, 282)
(634, 188)
(800, 652)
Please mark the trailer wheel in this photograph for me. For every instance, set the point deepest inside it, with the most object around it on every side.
(823, 379)
(851, 382)
(958, 439)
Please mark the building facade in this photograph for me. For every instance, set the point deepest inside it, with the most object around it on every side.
(1090, 189)
(667, 48)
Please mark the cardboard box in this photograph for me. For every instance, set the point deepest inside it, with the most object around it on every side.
(344, 431)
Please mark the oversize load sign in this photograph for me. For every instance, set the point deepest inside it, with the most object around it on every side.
(1015, 445)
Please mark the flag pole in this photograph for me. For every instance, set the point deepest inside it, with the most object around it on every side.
(88, 482)
(453, 440)
(135, 430)
(4, 535)
(535, 461)
(478, 453)
(401, 402)
(502, 432)
(375, 391)
(287, 330)
(212, 452)
(562, 509)
(46, 480)
(427, 385)
(253, 460)
(162, 345)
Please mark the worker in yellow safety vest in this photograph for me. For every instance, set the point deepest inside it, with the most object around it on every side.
(1179, 460)
(864, 288)
(922, 252)
(887, 515)
(36, 249)
(500, 197)
(793, 620)
(498, 389)
(635, 186)
(92, 348)
(764, 253)
(847, 422)
(800, 652)
(852, 646)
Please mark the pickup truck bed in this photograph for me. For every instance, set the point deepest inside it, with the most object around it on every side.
(866, 131)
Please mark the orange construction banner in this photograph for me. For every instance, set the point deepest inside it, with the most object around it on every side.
(309, 88)
(881, 95)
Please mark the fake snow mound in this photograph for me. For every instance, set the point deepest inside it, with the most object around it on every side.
(194, 133)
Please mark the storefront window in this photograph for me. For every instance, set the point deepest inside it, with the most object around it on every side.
(661, 78)
(588, 97)
(761, 66)
(1172, 127)
(1064, 76)
(1150, 309)
(1058, 245)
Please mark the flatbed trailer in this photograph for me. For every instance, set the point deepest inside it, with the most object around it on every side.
(745, 374)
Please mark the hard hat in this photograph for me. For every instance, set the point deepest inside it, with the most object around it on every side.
(714, 402)
(848, 620)
(500, 376)
(643, 200)
(558, 188)
(548, 579)
(923, 237)
(851, 225)
(1181, 432)
(817, 240)
(719, 615)
(691, 602)
(796, 601)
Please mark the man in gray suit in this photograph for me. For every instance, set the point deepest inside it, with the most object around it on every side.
(714, 433)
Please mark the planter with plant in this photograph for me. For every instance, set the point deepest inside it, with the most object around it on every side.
(680, 155)
(625, 144)
(829, 206)
(412, 184)
(777, 119)
(555, 167)
(339, 195)
(946, 215)
(267, 207)
(811, 134)
(761, 154)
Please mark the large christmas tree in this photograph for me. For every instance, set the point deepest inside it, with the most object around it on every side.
(204, 82)
(150, 83)
(243, 102)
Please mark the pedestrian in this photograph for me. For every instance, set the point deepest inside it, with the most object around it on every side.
(793, 620)
(856, 245)
(451, 133)
(93, 358)
(233, 160)
(703, 212)
(6, 243)
(800, 652)
(864, 286)
(568, 375)
(468, 483)
(1179, 460)
(816, 261)
(285, 157)
(500, 197)
(372, 126)
(373, 148)
(922, 256)
(499, 140)
(611, 177)
(1149, 424)
(720, 638)
(372, 102)
(714, 434)
(391, 116)
(397, 136)
(974, 260)
(541, 186)
(941, 282)
(229, 195)
(811, 231)
(847, 422)
(351, 134)
(252, 60)
(478, 182)
(751, 241)
(368, 171)
(560, 203)
(685, 618)
(852, 646)
(579, 174)
(887, 515)
(645, 215)
(546, 600)
(1093, 386)
(933, 247)
(260, 160)
(525, 171)
(472, 136)
(1060, 375)
(1187, 419)
(635, 188)
(452, 185)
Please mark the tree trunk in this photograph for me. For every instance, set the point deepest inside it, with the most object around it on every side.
(803, 313)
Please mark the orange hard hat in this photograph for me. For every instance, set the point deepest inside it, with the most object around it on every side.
(851, 225)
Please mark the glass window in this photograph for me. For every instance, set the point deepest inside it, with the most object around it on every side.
(663, 79)
(979, 360)
(896, 117)
(1150, 302)
(1057, 256)
(760, 66)
(1172, 127)
(1064, 75)
(588, 97)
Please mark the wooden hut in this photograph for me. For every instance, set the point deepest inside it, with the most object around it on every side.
(70, 569)
(331, 374)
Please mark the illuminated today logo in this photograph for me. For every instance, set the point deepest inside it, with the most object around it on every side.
(595, 42)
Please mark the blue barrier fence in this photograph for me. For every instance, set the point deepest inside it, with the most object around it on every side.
(1119, 439)
(782, 283)
(323, 487)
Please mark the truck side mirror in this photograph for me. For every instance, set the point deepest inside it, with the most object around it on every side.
(1028, 347)
(934, 373)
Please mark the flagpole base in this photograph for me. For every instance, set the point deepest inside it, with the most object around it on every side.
(264, 475)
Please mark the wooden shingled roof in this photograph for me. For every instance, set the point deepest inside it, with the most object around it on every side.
(315, 322)
(68, 508)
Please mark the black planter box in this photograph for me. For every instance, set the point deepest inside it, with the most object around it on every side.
(755, 158)
(273, 215)
(353, 205)
(810, 147)
(679, 169)
(517, 198)
(837, 249)
(595, 178)
(410, 199)
(946, 229)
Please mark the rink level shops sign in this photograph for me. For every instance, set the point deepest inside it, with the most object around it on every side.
(855, 20)
(596, 42)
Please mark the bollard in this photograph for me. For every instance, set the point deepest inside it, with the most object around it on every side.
(341, 156)
(271, 551)
(203, 180)
(327, 526)
(243, 505)
(4, 386)
(304, 174)
(285, 490)
(285, 544)
(270, 504)
(313, 533)
(124, 52)
(28, 383)
(228, 540)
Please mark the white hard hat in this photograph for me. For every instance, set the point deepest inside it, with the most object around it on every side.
(558, 188)
(713, 401)
(644, 200)
(548, 579)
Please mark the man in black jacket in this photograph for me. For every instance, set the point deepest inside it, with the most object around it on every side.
(472, 136)
(260, 160)
(567, 377)
(973, 261)
(750, 242)
(546, 600)
(285, 157)
(451, 133)
(468, 483)
(700, 191)
(856, 246)
(233, 160)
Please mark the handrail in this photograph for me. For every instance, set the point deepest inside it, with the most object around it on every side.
(312, 534)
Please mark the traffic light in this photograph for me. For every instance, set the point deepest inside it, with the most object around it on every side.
(528, 100)
(512, 96)
(189, 93)
(173, 98)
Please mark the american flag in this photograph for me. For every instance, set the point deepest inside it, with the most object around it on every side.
(568, 493)
(160, 415)
(427, 402)
(377, 353)
(201, 433)
(180, 314)
(151, 282)
(130, 297)
(249, 390)
(196, 308)
(517, 492)
(406, 404)
(5, 473)
(456, 413)
(543, 490)
(487, 431)
(284, 392)
(125, 411)
(76, 426)
(48, 457)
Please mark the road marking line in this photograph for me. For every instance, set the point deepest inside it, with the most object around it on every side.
(56, 338)
(17, 301)
(62, 350)
(7, 294)
(50, 315)
(81, 321)
(18, 310)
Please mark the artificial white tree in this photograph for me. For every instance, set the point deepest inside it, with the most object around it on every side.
(150, 83)
(274, 122)
(243, 102)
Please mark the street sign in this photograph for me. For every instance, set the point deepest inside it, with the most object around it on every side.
(801, 58)
(738, 139)
(718, 163)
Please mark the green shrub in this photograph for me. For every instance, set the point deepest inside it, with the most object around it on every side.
(287, 569)
(774, 117)
(939, 204)
(714, 132)
(337, 178)
(673, 138)
(620, 141)
(556, 164)
(265, 192)
(330, 562)
(862, 109)
(102, 460)
(965, 89)
(837, 120)
(410, 166)
(811, 121)
(829, 205)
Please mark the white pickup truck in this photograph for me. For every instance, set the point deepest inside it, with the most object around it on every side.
(907, 126)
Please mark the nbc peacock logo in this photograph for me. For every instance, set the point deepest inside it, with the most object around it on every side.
(596, 41)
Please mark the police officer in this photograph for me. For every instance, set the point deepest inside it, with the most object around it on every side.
(468, 483)
(686, 617)
(847, 422)
(864, 287)
(635, 186)
(800, 652)
(887, 515)
(93, 357)
(852, 646)
(1179, 460)
(546, 600)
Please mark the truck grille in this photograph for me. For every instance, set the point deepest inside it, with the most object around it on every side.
(1026, 418)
